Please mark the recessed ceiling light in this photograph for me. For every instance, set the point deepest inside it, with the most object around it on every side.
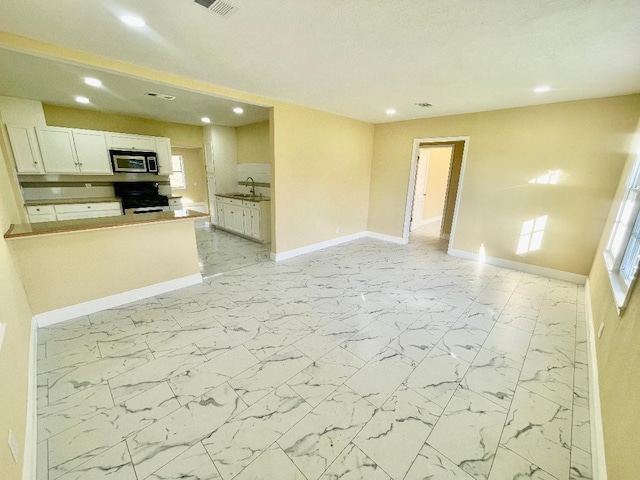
(132, 21)
(205, 120)
(391, 111)
(81, 99)
(238, 110)
(93, 82)
(542, 89)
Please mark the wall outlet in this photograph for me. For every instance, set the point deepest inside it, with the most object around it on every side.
(87, 185)
(338, 230)
(13, 445)
(601, 329)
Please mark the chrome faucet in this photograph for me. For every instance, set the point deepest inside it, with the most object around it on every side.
(253, 185)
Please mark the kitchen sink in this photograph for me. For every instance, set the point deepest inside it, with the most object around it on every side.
(247, 196)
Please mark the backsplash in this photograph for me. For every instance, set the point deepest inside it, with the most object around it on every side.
(260, 172)
(66, 191)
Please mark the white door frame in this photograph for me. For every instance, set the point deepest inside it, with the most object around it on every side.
(413, 172)
(413, 221)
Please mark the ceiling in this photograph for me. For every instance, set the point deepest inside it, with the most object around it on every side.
(359, 57)
(58, 83)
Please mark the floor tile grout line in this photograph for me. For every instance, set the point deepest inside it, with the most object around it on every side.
(135, 472)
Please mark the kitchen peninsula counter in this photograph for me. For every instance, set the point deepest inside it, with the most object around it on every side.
(66, 226)
(78, 267)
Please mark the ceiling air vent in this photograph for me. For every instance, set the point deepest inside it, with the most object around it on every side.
(163, 96)
(424, 104)
(221, 7)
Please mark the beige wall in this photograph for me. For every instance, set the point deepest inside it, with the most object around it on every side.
(618, 352)
(322, 175)
(253, 143)
(181, 135)
(70, 268)
(508, 148)
(196, 177)
(14, 355)
(436, 181)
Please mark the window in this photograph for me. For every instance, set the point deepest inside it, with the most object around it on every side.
(177, 178)
(622, 254)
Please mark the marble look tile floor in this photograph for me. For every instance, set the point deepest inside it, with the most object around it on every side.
(369, 360)
(220, 251)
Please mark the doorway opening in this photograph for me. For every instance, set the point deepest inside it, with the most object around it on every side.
(434, 187)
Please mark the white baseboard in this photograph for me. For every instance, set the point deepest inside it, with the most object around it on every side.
(93, 306)
(386, 238)
(316, 246)
(598, 460)
(522, 267)
(30, 456)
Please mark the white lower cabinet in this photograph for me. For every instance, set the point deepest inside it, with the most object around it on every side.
(219, 212)
(41, 213)
(248, 218)
(73, 211)
(175, 204)
(233, 215)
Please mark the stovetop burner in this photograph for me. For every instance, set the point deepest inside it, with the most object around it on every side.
(139, 194)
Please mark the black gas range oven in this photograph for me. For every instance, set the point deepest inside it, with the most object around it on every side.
(141, 197)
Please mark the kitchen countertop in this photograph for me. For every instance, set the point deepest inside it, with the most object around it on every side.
(67, 201)
(84, 224)
(255, 198)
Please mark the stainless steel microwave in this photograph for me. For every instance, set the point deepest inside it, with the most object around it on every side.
(132, 161)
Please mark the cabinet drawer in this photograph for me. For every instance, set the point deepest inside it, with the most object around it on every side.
(40, 210)
(175, 202)
(250, 204)
(47, 217)
(87, 207)
(232, 201)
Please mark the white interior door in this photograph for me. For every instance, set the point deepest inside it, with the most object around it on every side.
(418, 198)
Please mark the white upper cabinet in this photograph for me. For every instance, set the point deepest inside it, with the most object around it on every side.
(70, 150)
(163, 149)
(25, 149)
(126, 141)
(58, 150)
(92, 152)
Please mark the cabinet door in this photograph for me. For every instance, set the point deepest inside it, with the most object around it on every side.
(220, 216)
(92, 152)
(163, 149)
(238, 218)
(25, 149)
(246, 220)
(255, 223)
(125, 141)
(229, 213)
(58, 150)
